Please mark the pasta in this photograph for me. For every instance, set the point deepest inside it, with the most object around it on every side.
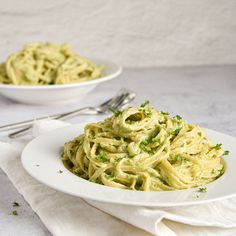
(140, 148)
(47, 64)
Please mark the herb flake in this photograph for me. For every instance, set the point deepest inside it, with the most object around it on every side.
(143, 146)
(165, 113)
(178, 158)
(202, 190)
(217, 146)
(115, 112)
(101, 158)
(155, 140)
(14, 213)
(15, 204)
(176, 131)
(145, 103)
(178, 117)
(226, 153)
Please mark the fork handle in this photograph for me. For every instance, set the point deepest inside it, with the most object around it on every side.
(19, 133)
(84, 111)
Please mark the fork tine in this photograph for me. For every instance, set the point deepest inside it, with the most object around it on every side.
(130, 97)
(119, 99)
(108, 101)
(113, 100)
(123, 100)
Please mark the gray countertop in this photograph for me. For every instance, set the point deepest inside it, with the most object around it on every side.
(203, 95)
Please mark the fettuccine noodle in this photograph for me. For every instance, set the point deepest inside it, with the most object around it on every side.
(46, 64)
(141, 148)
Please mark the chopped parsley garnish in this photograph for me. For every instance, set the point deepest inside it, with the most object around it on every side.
(178, 117)
(15, 213)
(147, 112)
(176, 131)
(101, 158)
(115, 112)
(202, 189)
(15, 204)
(217, 146)
(145, 103)
(226, 153)
(145, 142)
(155, 140)
(143, 146)
(165, 113)
(178, 158)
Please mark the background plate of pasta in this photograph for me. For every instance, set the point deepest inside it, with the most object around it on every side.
(137, 156)
(43, 73)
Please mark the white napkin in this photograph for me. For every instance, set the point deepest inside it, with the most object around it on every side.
(67, 215)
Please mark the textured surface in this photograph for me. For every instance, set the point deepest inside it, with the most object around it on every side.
(201, 95)
(131, 33)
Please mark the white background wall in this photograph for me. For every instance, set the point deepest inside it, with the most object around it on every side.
(132, 33)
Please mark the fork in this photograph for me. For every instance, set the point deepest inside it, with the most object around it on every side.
(119, 101)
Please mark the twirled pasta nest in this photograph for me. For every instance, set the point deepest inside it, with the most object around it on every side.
(141, 148)
(47, 64)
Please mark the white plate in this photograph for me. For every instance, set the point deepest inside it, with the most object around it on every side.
(62, 93)
(41, 159)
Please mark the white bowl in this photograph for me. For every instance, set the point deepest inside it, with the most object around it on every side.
(62, 93)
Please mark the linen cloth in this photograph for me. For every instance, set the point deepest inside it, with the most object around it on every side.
(67, 215)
